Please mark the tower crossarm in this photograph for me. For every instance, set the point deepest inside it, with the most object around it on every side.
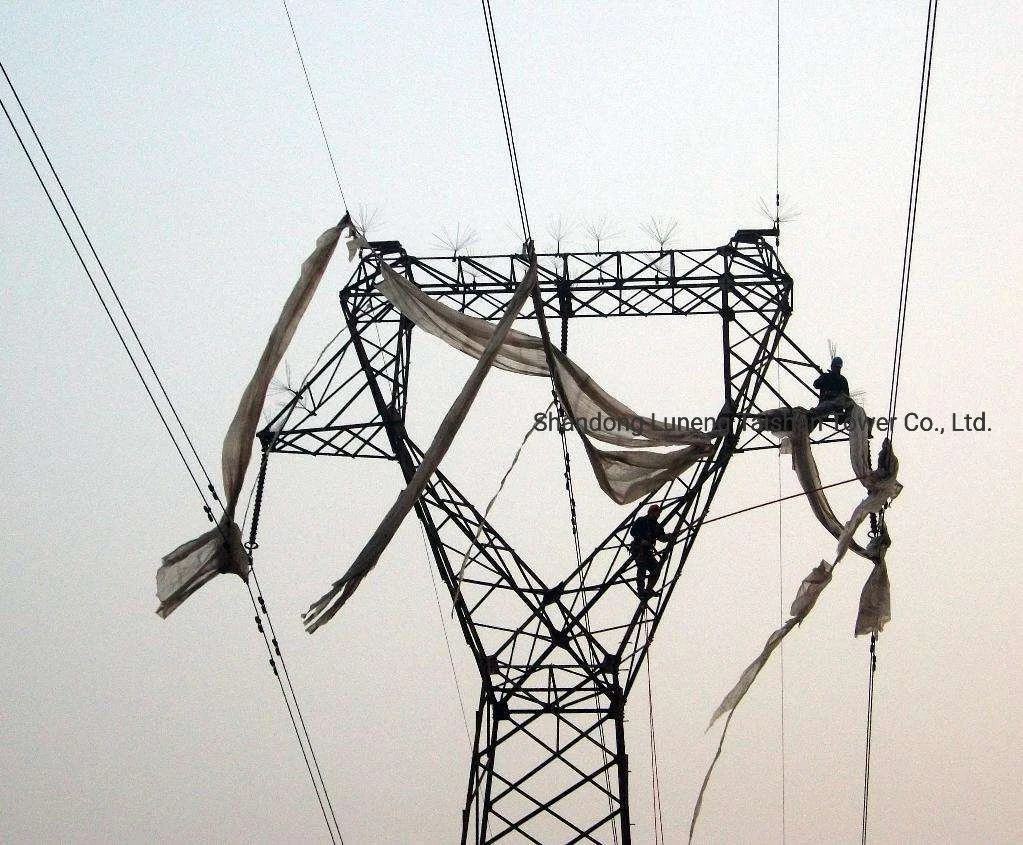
(331, 412)
(644, 283)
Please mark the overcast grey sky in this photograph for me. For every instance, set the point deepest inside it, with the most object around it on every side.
(186, 138)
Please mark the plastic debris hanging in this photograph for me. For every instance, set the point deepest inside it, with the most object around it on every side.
(874, 612)
(198, 561)
(324, 609)
(624, 475)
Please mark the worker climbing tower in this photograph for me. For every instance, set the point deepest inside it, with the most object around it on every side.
(557, 661)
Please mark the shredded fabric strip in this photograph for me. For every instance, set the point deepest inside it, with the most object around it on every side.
(198, 561)
(874, 611)
(624, 475)
(325, 608)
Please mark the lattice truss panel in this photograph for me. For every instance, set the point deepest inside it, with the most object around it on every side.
(557, 779)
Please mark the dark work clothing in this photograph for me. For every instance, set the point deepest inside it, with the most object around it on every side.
(831, 385)
(645, 532)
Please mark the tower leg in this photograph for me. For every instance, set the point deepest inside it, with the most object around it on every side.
(548, 775)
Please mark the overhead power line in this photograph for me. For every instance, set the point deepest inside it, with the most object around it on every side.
(316, 107)
(914, 195)
(116, 307)
(900, 332)
(509, 133)
(152, 384)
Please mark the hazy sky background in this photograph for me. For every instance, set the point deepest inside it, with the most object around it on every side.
(185, 136)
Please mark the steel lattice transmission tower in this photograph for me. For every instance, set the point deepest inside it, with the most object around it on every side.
(557, 661)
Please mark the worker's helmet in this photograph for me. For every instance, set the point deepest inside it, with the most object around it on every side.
(836, 362)
(653, 509)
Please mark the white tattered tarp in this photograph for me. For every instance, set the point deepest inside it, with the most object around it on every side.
(625, 475)
(874, 610)
(324, 608)
(191, 565)
(806, 597)
(805, 468)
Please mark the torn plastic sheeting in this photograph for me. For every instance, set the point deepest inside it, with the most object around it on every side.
(196, 562)
(874, 610)
(806, 597)
(326, 607)
(524, 354)
(624, 476)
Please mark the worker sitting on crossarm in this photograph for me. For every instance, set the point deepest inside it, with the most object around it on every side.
(834, 392)
(646, 531)
(832, 384)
